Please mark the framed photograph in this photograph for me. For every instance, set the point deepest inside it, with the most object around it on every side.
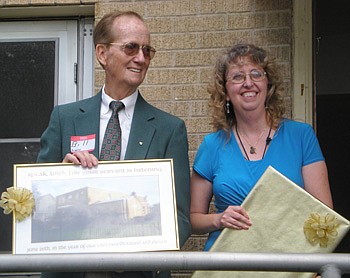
(121, 206)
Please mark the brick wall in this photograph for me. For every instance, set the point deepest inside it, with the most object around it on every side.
(188, 36)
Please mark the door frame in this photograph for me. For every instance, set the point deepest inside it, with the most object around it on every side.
(302, 62)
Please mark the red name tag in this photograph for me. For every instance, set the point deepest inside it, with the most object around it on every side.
(82, 143)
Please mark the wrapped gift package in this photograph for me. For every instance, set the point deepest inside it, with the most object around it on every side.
(285, 219)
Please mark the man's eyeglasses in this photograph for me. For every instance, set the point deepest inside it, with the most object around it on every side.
(132, 48)
(240, 77)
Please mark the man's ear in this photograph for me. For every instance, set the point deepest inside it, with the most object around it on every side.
(101, 54)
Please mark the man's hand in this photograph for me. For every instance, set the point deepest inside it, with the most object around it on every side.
(83, 158)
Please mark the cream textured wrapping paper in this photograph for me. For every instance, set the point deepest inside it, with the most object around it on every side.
(278, 209)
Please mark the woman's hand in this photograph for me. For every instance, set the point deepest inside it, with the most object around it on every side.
(235, 217)
(83, 158)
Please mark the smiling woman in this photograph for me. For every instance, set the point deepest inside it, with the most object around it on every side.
(248, 110)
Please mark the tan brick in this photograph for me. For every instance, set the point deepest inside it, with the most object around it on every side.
(67, 2)
(273, 36)
(289, 103)
(171, 8)
(191, 156)
(161, 24)
(246, 21)
(175, 41)
(42, 2)
(212, 6)
(162, 58)
(199, 124)
(279, 53)
(16, 3)
(278, 19)
(199, 108)
(178, 108)
(236, 6)
(196, 139)
(284, 69)
(190, 92)
(197, 23)
(223, 39)
(156, 93)
(267, 5)
(102, 8)
(193, 147)
(195, 243)
(99, 78)
(192, 142)
(195, 57)
(174, 92)
(172, 76)
(206, 75)
(97, 65)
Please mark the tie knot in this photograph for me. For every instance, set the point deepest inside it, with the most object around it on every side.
(116, 106)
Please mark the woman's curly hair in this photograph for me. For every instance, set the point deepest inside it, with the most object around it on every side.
(274, 104)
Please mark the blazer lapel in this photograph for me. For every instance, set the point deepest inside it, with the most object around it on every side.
(88, 121)
(142, 131)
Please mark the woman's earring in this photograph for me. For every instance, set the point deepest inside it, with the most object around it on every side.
(227, 107)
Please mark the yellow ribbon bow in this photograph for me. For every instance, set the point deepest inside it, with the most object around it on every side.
(17, 200)
(321, 229)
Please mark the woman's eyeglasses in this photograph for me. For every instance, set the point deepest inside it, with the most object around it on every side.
(240, 77)
(132, 48)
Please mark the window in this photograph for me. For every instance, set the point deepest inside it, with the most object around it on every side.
(43, 63)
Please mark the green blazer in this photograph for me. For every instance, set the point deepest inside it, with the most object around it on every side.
(162, 135)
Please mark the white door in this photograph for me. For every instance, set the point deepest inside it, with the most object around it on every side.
(43, 63)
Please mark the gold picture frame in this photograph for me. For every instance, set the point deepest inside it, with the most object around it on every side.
(120, 206)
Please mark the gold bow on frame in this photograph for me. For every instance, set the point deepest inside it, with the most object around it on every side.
(20, 201)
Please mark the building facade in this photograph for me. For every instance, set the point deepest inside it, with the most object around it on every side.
(188, 36)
